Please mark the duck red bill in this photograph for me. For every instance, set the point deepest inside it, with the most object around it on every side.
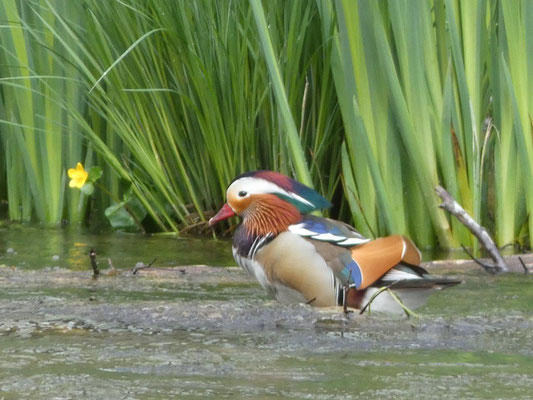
(224, 213)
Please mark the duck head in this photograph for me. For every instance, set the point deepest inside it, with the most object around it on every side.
(268, 201)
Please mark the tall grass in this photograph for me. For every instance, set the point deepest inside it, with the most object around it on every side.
(293, 140)
(515, 160)
(415, 91)
(388, 73)
(40, 138)
(373, 103)
(193, 102)
(179, 97)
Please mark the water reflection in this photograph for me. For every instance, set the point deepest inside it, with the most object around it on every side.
(33, 247)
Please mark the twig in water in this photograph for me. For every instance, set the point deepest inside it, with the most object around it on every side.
(526, 270)
(141, 265)
(490, 268)
(449, 204)
(202, 225)
(94, 264)
(346, 289)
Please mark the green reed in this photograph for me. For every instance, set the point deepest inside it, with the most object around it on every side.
(372, 103)
(415, 85)
(177, 98)
(40, 138)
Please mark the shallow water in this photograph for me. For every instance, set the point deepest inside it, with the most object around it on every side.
(30, 247)
(196, 332)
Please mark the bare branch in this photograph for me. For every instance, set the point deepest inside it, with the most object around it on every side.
(449, 204)
(140, 265)
(526, 270)
(488, 267)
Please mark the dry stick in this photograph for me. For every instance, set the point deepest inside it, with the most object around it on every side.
(526, 270)
(94, 264)
(450, 205)
(489, 268)
(141, 265)
(203, 224)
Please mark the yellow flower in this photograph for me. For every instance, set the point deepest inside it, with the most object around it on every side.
(77, 176)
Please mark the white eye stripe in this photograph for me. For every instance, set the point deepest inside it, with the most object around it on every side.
(254, 186)
(261, 186)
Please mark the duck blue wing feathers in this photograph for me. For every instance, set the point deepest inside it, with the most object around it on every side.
(328, 230)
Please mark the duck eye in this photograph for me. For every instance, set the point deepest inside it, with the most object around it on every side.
(242, 193)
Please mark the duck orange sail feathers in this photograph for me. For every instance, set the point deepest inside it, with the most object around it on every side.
(301, 258)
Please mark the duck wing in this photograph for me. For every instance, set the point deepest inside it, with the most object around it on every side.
(356, 261)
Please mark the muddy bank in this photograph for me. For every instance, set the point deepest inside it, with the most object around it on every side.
(199, 332)
(202, 298)
(210, 332)
(515, 262)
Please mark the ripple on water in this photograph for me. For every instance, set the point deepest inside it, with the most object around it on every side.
(200, 331)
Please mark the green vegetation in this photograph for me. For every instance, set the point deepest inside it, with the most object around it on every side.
(374, 103)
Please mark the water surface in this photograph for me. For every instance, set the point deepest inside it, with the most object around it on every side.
(197, 332)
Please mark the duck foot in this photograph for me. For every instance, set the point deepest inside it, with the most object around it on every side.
(345, 302)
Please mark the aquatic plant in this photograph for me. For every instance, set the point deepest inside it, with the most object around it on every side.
(78, 176)
(126, 213)
(372, 103)
(40, 138)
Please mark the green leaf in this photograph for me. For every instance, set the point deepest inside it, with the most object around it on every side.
(128, 194)
(126, 215)
(293, 140)
(95, 173)
(119, 218)
(135, 207)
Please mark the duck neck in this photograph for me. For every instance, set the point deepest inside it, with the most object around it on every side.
(270, 215)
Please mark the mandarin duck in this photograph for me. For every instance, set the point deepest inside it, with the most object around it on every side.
(303, 258)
